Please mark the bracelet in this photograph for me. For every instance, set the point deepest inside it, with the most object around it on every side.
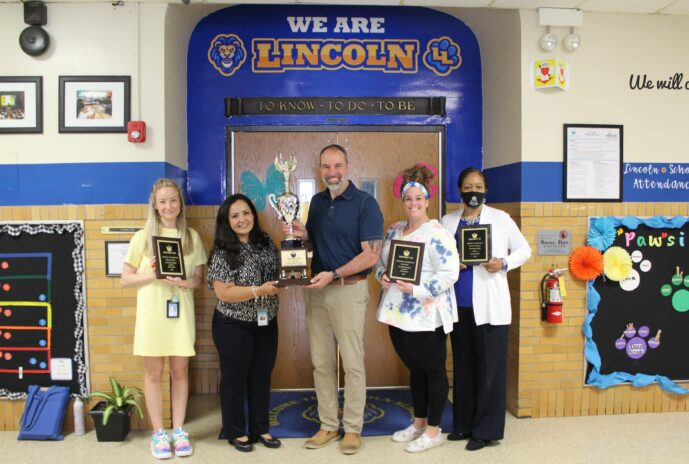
(253, 290)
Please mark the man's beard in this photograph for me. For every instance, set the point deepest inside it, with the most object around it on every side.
(335, 187)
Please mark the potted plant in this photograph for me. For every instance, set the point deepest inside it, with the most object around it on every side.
(111, 415)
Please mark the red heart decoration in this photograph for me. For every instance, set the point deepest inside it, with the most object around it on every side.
(664, 235)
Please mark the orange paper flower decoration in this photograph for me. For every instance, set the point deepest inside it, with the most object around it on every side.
(586, 263)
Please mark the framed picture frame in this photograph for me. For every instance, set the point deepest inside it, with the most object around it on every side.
(94, 103)
(115, 252)
(21, 105)
(593, 157)
(306, 189)
(370, 186)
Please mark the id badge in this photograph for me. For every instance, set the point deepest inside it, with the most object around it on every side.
(262, 317)
(172, 309)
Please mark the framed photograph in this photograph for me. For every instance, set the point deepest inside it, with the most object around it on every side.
(21, 105)
(94, 103)
(306, 189)
(115, 252)
(370, 186)
(592, 162)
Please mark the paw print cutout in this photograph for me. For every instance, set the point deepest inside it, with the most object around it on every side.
(442, 56)
(636, 344)
(680, 296)
(632, 281)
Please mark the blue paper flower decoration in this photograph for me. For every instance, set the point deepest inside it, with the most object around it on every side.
(602, 233)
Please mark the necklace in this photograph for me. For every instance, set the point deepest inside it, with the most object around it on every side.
(470, 221)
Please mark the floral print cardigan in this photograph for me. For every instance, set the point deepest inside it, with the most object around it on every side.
(433, 302)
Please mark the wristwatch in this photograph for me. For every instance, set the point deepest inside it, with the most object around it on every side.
(335, 275)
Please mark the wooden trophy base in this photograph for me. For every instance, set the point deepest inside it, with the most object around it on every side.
(293, 264)
(291, 282)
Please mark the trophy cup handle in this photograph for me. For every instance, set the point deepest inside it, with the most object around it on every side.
(273, 203)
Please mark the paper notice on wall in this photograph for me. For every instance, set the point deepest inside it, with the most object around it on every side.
(60, 369)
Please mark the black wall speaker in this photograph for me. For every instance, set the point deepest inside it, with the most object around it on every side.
(35, 13)
(34, 40)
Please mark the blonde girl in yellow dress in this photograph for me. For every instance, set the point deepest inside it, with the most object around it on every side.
(156, 334)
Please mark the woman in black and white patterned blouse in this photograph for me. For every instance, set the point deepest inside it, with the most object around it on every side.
(243, 270)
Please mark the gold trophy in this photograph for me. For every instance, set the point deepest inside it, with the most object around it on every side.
(293, 257)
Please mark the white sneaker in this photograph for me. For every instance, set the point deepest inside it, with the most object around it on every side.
(424, 442)
(408, 434)
(160, 445)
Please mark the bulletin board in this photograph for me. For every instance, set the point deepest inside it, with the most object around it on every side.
(637, 329)
(42, 307)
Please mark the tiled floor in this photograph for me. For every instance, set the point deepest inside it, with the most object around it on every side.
(623, 439)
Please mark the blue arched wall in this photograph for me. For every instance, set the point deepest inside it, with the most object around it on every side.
(433, 74)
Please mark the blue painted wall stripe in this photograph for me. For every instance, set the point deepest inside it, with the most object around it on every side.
(82, 183)
(542, 182)
(504, 183)
(130, 183)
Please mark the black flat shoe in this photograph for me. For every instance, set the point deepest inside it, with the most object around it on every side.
(457, 436)
(244, 446)
(476, 444)
(268, 442)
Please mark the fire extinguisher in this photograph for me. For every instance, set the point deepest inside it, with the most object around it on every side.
(552, 291)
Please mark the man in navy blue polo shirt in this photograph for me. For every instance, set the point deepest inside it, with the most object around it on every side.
(345, 229)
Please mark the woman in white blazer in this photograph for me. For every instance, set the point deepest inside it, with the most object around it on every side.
(479, 339)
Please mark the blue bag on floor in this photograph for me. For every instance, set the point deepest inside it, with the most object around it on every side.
(44, 413)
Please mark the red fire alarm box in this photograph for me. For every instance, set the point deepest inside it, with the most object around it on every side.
(136, 131)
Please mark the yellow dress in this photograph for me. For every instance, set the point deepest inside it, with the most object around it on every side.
(155, 334)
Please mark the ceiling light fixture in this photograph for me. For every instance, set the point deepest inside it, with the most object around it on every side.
(572, 42)
(560, 17)
(549, 40)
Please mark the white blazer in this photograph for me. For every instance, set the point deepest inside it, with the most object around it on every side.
(491, 294)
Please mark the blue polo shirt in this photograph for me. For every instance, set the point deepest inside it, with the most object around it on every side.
(337, 227)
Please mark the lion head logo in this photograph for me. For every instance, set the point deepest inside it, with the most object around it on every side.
(226, 53)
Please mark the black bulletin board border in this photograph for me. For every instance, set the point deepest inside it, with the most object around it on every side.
(64, 241)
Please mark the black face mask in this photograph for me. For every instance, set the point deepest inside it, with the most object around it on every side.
(473, 199)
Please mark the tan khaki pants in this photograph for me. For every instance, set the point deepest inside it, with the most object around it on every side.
(336, 316)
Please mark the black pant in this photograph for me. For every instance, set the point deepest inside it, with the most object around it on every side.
(247, 355)
(480, 377)
(424, 354)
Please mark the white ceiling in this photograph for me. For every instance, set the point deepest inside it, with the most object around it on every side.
(672, 7)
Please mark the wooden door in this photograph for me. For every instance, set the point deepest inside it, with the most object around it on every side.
(376, 158)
